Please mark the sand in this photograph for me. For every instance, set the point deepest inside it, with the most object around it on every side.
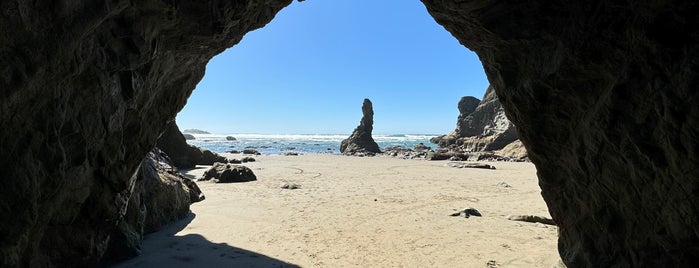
(359, 212)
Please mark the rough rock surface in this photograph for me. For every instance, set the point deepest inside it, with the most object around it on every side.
(604, 96)
(483, 127)
(86, 88)
(226, 173)
(361, 141)
(161, 195)
(514, 150)
(182, 154)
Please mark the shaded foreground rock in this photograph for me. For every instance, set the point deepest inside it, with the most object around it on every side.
(226, 173)
(604, 96)
(182, 154)
(86, 89)
(361, 142)
(161, 195)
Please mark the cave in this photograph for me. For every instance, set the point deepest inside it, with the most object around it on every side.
(603, 95)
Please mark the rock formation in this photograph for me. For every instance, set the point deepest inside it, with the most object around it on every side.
(481, 126)
(161, 195)
(227, 173)
(361, 142)
(86, 89)
(182, 154)
(604, 96)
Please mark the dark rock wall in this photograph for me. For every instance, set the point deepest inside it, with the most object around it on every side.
(604, 96)
(86, 88)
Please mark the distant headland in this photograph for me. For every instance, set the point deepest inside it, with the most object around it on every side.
(195, 131)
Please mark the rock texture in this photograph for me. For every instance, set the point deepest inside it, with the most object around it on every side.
(515, 150)
(481, 125)
(161, 195)
(604, 96)
(227, 173)
(182, 154)
(361, 142)
(86, 88)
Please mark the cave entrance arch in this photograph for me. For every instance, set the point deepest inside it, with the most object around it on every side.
(315, 62)
(262, 70)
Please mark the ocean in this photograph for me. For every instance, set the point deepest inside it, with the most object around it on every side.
(302, 144)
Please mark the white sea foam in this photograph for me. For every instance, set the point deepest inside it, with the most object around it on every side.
(301, 143)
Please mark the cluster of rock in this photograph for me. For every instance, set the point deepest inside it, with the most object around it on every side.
(481, 127)
(361, 142)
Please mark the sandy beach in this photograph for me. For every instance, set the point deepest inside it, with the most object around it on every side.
(359, 212)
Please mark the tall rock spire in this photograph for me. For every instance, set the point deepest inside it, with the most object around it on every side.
(361, 141)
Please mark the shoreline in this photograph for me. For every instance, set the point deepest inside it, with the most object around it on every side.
(360, 212)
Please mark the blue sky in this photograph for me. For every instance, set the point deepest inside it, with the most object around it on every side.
(308, 71)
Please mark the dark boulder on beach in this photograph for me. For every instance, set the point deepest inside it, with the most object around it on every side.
(481, 125)
(161, 195)
(182, 154)
(231, 138)
(361, 142)
(189, 136)
(227, 173)
(251, 151)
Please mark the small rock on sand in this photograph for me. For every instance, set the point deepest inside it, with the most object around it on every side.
(290, 186)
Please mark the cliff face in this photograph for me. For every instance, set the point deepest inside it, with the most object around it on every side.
(604, 96)
(483, 127)
(86, 88)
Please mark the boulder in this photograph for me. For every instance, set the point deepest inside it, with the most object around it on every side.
(231, 138)
(226, 173)
(361, 141)
(422, 147)
(515, 150)
(251, 151)
(161, 195)
(189, 136)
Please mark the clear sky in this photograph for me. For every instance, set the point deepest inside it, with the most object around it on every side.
(308, 71)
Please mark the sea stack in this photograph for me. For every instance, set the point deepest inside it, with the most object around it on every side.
(481, 126)
(361, 142)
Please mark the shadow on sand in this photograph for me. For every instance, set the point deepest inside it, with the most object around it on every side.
(164, 249)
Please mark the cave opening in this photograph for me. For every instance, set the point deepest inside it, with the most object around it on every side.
(297, 77)
(307, 71)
